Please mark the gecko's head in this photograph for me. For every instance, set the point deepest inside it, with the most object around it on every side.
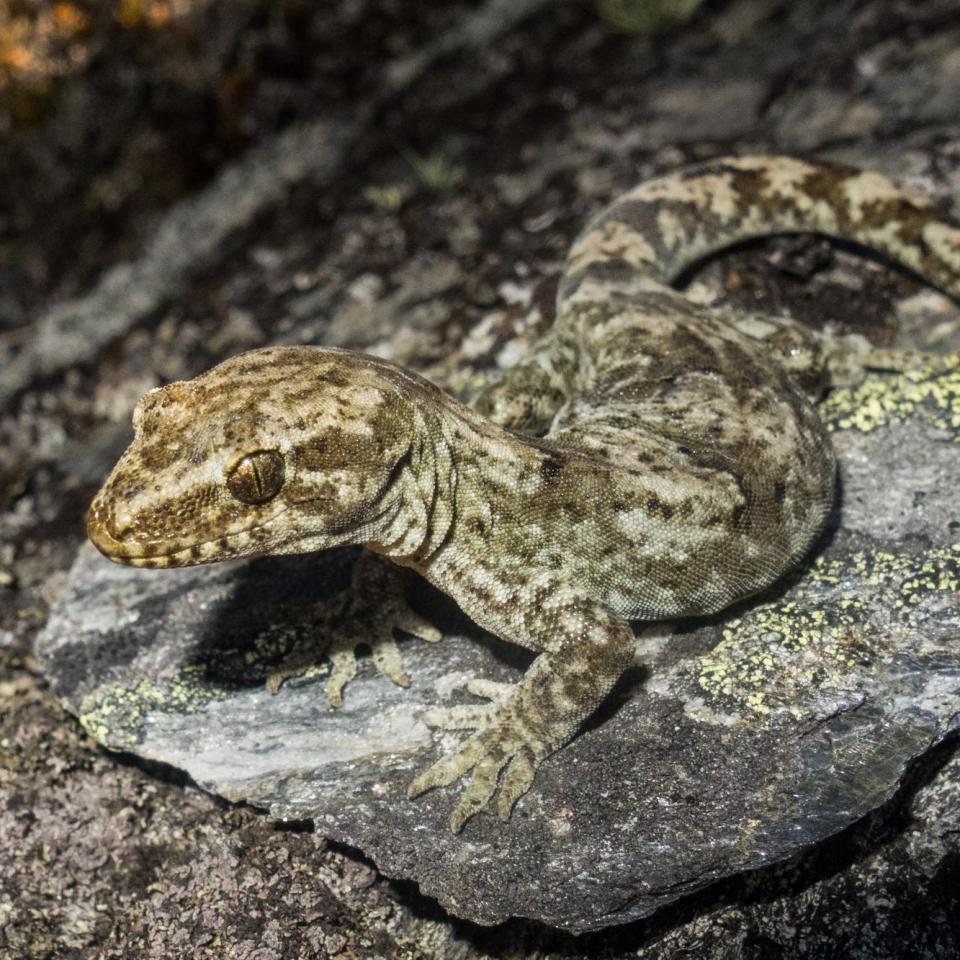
(280, 450)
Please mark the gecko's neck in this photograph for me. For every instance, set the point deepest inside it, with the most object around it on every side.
(416, 506)
(451, 450)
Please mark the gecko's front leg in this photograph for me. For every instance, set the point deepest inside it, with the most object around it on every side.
(363, 615)
(585, 648)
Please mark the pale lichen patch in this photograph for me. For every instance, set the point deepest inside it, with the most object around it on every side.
(931, 391)
(778, 655)
(115, 714)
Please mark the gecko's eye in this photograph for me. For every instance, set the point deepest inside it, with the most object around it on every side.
(257, 477)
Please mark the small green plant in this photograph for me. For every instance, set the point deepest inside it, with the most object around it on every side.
(435, 171)
(645, 16)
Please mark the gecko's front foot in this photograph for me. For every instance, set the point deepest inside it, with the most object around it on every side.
(365, 615)
(504, 753)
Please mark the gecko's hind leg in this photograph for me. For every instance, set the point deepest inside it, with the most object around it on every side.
(364, 615)
(819, 360)
(850, 357)
(528, 395)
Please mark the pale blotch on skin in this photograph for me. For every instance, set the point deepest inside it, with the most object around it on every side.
(649, 458)
(612, 239)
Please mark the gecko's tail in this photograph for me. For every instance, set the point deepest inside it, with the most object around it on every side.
(664, 226)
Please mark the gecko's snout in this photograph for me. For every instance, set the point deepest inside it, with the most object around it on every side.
(104, 532)
(113, 533)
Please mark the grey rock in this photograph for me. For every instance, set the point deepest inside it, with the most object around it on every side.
(704, 108)
(885, 890)
(926, 90)
(734, 744)
(821, 115)
(478, 30)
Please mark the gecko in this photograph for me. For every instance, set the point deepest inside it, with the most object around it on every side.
(649, 458)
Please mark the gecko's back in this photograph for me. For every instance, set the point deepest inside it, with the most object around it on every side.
(650, 457)
(721, 473)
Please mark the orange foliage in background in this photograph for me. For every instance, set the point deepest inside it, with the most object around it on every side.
(38, 42)
(42, 40)
(150, 13)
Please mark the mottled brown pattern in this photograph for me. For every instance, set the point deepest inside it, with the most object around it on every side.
(650, 457)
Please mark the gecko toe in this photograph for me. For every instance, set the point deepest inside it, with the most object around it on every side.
(516, 781)
(409, 621)
(472, 716)
(447, 769)
(344, 670)
(387, 659)
(464, 717)
(293, 665)
(482, 786)
(489, 689)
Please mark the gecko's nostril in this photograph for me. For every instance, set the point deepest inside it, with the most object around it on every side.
(98, 531)
(107, 530)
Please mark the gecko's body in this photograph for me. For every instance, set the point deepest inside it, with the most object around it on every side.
(651, 458)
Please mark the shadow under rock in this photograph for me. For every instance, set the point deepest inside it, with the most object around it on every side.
(276, 606)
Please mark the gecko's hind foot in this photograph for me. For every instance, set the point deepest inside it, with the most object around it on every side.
(472, 716)
(503, 754)
(365, 615)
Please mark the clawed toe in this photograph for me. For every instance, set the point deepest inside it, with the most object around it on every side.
(444, 771)
(387, 659)
(489, 689)
(364, 616)
(471, 716)
(466, 717)
(515, 782)
(409, 621)
(345, 668)
(480, 790)
(503, 762)
(293, 665)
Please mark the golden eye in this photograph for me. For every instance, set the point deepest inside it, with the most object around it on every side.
(257, 477)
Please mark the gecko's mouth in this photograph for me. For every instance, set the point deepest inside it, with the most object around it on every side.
(158, 555)
(170, 553)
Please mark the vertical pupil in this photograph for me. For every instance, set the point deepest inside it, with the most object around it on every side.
(257, 479)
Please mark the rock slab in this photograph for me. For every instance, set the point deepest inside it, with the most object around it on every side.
(734, 743)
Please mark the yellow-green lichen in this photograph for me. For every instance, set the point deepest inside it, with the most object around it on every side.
(844, 617)
(777, 651)
(298, 630)
(115, 714)
(645, 16)
(904, 580)
(931, 390)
